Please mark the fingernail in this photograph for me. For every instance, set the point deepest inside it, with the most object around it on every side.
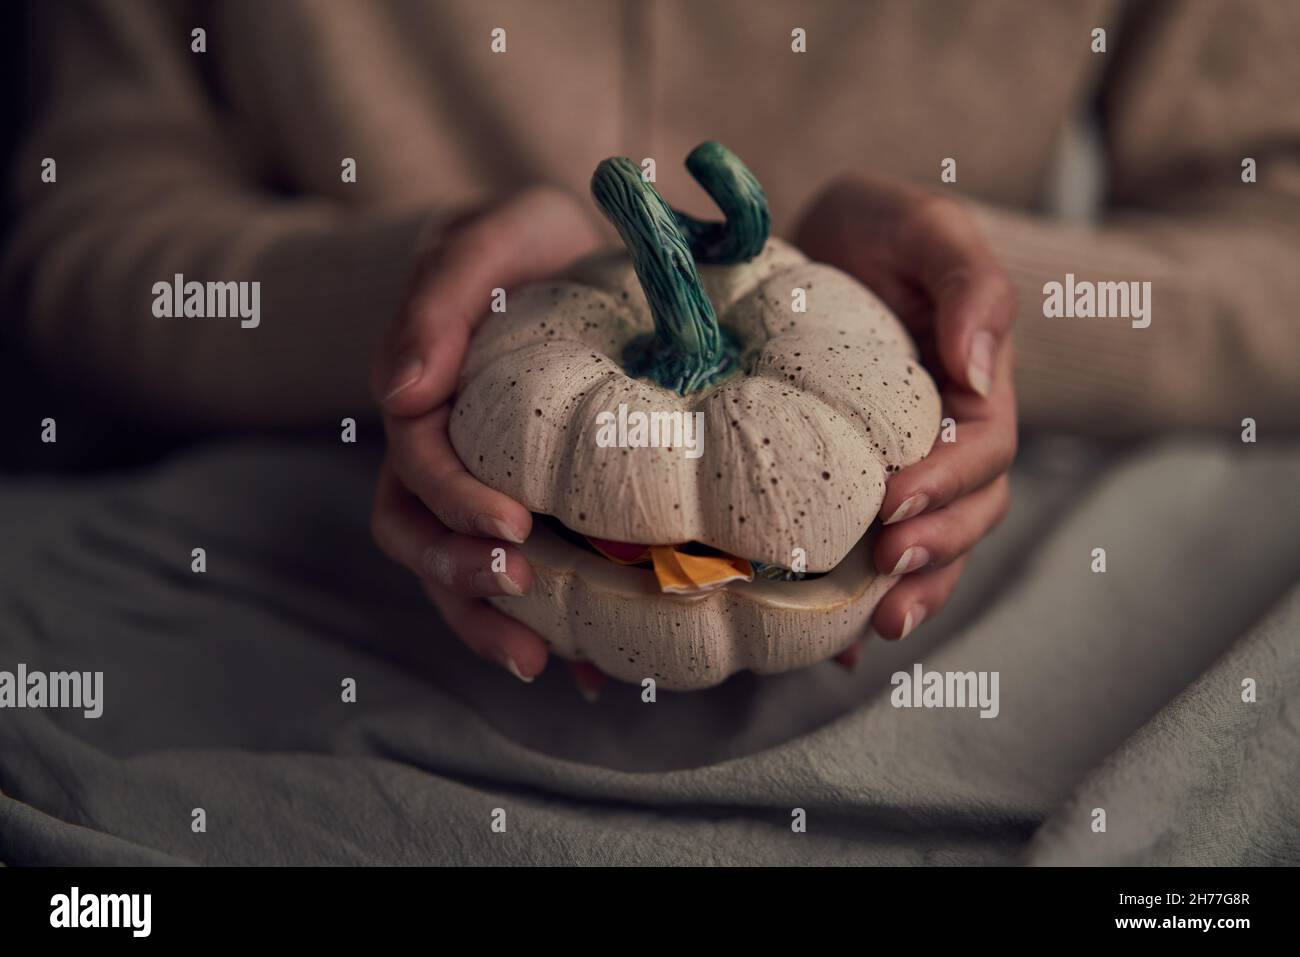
(508, 663)
(491, 583)
(409, 369)
(848, 658)
(911, 560)
(915, 615)
(589, 695)
(913, 505)
(494, 527)
(979, 368)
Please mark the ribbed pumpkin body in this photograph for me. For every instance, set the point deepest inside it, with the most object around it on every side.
(795, 449)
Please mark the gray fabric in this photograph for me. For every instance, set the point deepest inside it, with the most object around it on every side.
(1119, 691)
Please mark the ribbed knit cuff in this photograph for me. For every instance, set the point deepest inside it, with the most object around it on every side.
(1089, 375)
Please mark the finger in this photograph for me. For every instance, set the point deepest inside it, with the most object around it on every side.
(490, 634)
(423, 459)
(982, 452)
(529, 237)
(915, 599)
(985, 447)
(408, 534)
(588, 678)
(974, 299)
(944, 535)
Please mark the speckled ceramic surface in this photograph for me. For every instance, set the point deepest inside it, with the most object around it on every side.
(795, 451)
(795, 454)
(615, 616)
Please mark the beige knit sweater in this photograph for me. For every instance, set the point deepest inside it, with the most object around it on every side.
(225, 165)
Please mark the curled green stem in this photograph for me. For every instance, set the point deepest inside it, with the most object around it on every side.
(738, 194)
(688, 352)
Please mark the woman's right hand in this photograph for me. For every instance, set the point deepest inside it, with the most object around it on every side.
(430, 514)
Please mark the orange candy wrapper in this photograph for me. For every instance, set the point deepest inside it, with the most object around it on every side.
(678, 572)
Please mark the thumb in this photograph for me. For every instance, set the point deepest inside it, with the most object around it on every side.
(974, 308)
(974, 300)
(527, 237)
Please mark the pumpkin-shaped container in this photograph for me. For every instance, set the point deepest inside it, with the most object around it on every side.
(703, 425)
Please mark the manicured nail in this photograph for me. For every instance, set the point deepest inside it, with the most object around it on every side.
(979, 368)
(914, 505)
(915, 615)
(911, 560)
(589, 695)
(848, 658)
(492, 583)
(409, 369)
(508, 663)
(494, 527)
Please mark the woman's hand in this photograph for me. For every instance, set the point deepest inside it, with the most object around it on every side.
(430, 514)
(925, 257)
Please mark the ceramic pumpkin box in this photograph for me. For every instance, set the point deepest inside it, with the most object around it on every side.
(702, 426)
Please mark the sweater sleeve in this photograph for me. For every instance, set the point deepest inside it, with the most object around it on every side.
(1191, 91)
(151, 182)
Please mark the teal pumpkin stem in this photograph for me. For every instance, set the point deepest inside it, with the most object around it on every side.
(688, 351)
(738, 194)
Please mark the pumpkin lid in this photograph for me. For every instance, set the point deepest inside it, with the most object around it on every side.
(709, 385)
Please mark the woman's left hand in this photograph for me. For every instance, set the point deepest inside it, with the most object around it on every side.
(924, 255)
